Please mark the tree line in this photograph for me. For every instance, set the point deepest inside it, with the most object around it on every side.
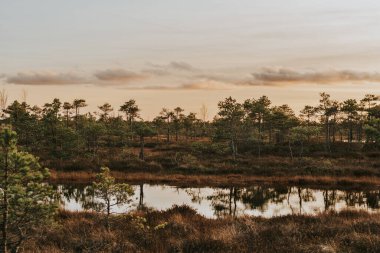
(61, 130)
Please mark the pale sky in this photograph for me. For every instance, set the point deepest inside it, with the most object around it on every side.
(172, 53)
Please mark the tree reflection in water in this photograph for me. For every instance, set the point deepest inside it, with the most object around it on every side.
(78, 193)
(235, 201)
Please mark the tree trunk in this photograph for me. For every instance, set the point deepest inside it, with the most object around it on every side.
(350, 134)
(67, 118)
(5, 204)
(359, 132)
(333, 130)
(141, 199)
(108, 215)
(142, 143)
(234, 213)
(233, 146)
(290, 150)
(131, 128)
(327, 135)
(76, 118)
(168, 133)
(270, 133)
(300, 199)
(260, 137)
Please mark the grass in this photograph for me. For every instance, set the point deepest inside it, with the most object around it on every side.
(219, 180)
(203, 163)
(213, 158)
(184, 169)
(180, 229)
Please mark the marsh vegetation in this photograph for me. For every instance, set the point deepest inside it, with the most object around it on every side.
(255, 178)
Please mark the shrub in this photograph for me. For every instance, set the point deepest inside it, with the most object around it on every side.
(203, 148)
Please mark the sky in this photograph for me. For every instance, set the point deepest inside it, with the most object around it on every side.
(173, 53)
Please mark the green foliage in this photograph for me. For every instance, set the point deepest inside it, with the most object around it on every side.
(374, 112)
(141, 223)
(108, 194)
(106, 108)
(24, 120)
(26, 200)
(68, 141)
(131, 110)
(117, 132)
(372, 130)
(185, 160)
(205, 148)
(303, 133)
(143, 129)
(229, 123)
(60, 134)
(92, 131)
(282, 118)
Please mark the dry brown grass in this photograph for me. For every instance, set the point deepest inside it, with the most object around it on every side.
(186, 231)
(219, 180)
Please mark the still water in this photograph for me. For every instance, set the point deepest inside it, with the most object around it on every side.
(236, 201)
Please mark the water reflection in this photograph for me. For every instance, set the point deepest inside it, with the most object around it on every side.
(234, 201)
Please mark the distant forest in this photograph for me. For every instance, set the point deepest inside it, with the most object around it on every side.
(60, 130)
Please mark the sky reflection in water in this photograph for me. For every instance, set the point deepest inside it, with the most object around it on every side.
(217, 202)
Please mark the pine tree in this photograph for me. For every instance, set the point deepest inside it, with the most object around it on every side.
(27, 202)
(108, 194)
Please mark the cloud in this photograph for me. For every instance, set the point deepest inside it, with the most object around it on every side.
(119, 76)
(195, 80)
(44, 78)
(205, 85)
(283, 77)
(156, 72)
(217, 77)
(201, 85)
(170, 68)
(183, 66)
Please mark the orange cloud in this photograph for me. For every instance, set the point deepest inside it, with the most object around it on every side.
(44, 78)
